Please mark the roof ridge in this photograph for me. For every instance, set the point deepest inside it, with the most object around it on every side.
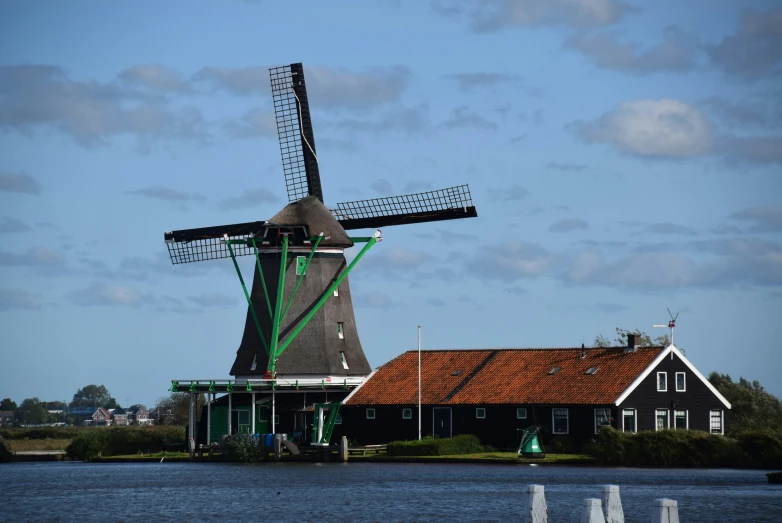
(503, 349)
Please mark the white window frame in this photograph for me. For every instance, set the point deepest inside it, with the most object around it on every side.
(567, 421)
(722, 421)
(480, 413)
(341, 330)
(635, 420)
(518, 409)
(686, 419)
(609, 419)
(370, 413)
(684, 382)
(407, 413)
(276, 419)
(667, 419)
(665, 389)
(336, 291)
(344, 360)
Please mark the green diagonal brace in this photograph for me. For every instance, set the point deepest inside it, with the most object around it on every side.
(263, 281)
(326, 295)
(301, 277)
(249, 301)
(276, 320)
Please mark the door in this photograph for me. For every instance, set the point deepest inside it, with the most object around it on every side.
(442, 422)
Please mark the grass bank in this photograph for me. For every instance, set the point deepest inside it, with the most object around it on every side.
(509, 458)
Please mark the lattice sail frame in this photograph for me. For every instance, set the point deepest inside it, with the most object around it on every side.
(442, 204)
(294, 129)
(195, 245)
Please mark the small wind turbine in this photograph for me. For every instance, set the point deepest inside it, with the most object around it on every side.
(671, 324)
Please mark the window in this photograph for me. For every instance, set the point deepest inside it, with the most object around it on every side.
(662, 382)
(407, 413)
(344, 361)
(554, 370)
(340, 330)
(338, 420)
(662, 419)
(276, 419)
(480, 413)
(680, 419)
(602, 419)
(336, 291)
(255, 362)
(715, 422)
(301, 265)
(591, 370)
(559, 421)
(628, 420)
(681, 382)
(521, 413)
(370, 413)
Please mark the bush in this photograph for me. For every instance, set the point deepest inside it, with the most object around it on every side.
(115, 441)
(463, 444)
(245, 449)
(667, 448)
(5, 452)
(45, 432)
(563, 445)
(763, 447)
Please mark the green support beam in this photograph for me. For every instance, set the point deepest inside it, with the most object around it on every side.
(249, 300)
(263, 281)
(276, 320)
(301, 277)
(372, 241)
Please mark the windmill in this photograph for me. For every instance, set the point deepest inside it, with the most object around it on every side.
(300, 320)
(671, 324)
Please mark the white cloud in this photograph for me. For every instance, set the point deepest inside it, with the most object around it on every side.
(12, 225)
(155, 77)
(248, 199)
(103, 294)
(493, 15)
(214, 299)
(19, 183)
(161, 192)
(511, 260)
(373, 299)
(764, 218)
(17, 299)
(676, 52)
(34, 257)
(254, 123)
(569, 225)
(652, 128)
(755, 50)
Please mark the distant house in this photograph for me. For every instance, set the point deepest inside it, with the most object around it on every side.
(496, 393)
(138, 415)
(6, 418)
(97, 416)
(119, 417)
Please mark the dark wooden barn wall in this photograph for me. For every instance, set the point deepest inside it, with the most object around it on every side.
(499, 428)
(698, 400)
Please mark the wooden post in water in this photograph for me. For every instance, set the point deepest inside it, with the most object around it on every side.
(229, 413)
(535, 510)
(612, 504)
(252, 414)
(209, 399)
(277, 447)
(665, 511)
(592, 511)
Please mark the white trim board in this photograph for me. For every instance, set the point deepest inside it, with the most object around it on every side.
(352, 392)
(653, 365)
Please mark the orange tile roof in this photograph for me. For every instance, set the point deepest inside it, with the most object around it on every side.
(505, 376)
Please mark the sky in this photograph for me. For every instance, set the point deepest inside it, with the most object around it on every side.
(624, 157)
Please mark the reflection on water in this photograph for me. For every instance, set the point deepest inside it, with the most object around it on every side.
(364, 492)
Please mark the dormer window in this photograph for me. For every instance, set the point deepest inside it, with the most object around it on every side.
(554, 370)
(591, 370)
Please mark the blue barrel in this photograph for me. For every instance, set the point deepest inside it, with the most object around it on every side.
(269, 440)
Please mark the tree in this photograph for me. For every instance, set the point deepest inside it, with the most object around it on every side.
(31, 412)
(7, 404)
(94, 396)
(752, 407)
(175, 409)
(641, 338)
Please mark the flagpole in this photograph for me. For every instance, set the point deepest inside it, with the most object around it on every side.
(419, 382)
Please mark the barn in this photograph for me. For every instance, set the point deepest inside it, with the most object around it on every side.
(495, 393)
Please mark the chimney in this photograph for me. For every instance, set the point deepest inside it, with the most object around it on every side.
(583, 352)
(631, 343)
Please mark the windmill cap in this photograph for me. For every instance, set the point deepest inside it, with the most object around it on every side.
(310, 212)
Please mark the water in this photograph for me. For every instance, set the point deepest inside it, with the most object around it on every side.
(357, 492)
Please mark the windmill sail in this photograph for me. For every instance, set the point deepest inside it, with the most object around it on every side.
(294, 129)
(206, 243)
(430, 206)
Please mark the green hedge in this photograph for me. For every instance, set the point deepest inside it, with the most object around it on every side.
(115, 441)
(5, 452)
(463, 444)
(685, 448)
(45, 432)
